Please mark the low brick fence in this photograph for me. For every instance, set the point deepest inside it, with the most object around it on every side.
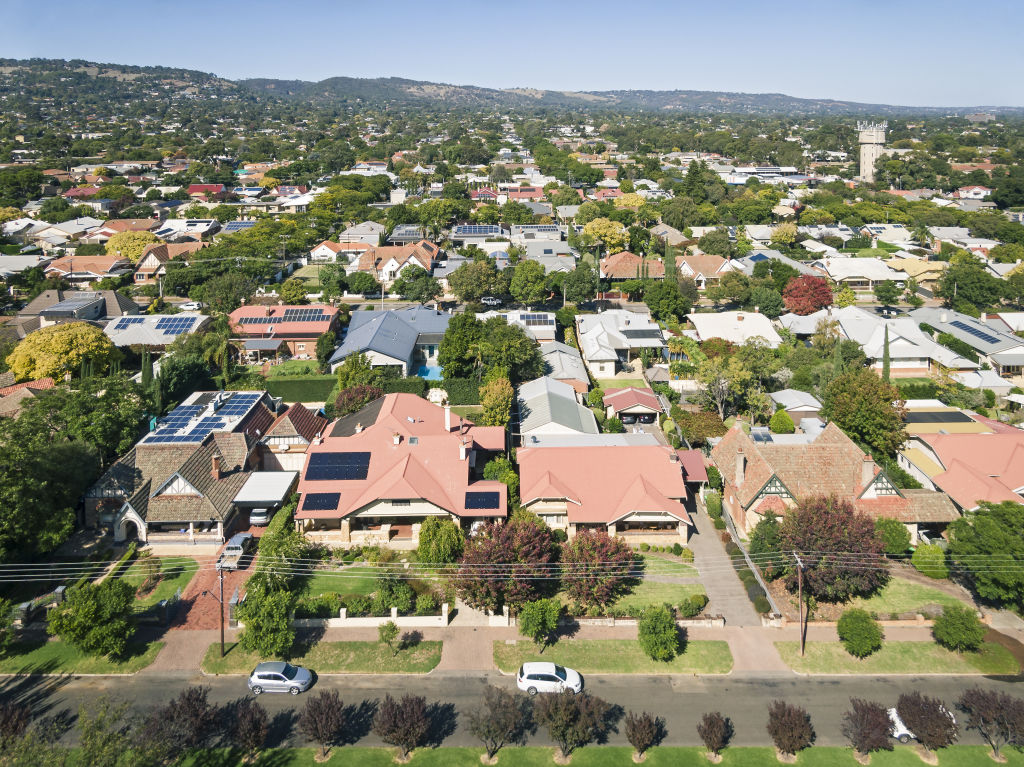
(402, 621)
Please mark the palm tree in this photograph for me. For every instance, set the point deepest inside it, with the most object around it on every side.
(217, 352)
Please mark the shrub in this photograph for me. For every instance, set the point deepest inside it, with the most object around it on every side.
(322, 606)
(686, 555)
(894, 534)
(355, 398)
(867, 726)
(720, 524)
(713, 502)
(859, 632)
(958, 628)
(762, 605)
(426, 604)
(658, 633)
(677, 549)
(789, 727)
(411, 385)
(573, 721)
(714, 478)
(462, 391)
(928, 719)
(645, 547)
(781, 423)
(387, 633)
(644, 730)
(929, 559)
(692, 607)
(97, 619)
(441, 541)
(715, 730)
(358, 605)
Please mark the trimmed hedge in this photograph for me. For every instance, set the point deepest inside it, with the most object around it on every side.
(301, 388)
(411, 385)
(462, 391)
(961, 348)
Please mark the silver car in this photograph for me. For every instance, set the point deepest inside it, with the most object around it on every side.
(278, 676)
(548, 677)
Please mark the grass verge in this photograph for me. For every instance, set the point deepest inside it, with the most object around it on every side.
(620, 383)
(903, 596)
(58, 657)
(333, 658)
(897, 658)
(616, 656)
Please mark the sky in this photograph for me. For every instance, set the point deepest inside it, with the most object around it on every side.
(906, 52)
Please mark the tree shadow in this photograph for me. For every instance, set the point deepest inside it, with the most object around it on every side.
(683, 639)
(358, 721)
(33, 689)
(410, 640)
(443, 718)
(568, 627)
(609, 723)
(282, 725)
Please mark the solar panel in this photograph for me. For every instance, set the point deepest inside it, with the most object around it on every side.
(174, 326)
(320, 501)
(303, 315)
(256, 320)
(976, 332)
(477, 500)
(338, 466)
(126, 322)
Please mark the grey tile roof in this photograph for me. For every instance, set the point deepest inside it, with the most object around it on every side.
(393, 332)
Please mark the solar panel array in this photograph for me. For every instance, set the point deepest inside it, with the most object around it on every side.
(175, 326)
(538, 227)
(320, 501)
(537, 320)
(126, 322)
(181, 424)
(976, 332)
(257, 320)
(239, 404)
(478, 229)
(304, 315)
(349, 465)
(478, 500)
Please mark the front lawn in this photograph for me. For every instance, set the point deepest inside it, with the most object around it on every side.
(358, 583)
(649, 592)
(903, 596)
(57, 657)
(615, 656)
(620, 383)
(897, 658)
(175, 573)
(333, 658)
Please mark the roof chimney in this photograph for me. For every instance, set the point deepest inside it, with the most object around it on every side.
(447, 417)
(741, 464)
(463, 450)
(867, 470)
(673, 457)
(396, 438)
(739, 318)
(215, 467)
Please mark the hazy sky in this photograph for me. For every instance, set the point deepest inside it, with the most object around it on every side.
(909, 52)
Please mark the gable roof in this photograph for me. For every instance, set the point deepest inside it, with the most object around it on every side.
(737, 327)
(546, 401)
(297, 421)
(631, 397)
(392, 332)
(626, 266)
(705, 265)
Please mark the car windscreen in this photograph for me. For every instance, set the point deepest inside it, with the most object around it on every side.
(290, 671)
(560, 673)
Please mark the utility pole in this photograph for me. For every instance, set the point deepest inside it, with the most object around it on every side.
(220, 577)
(800, 599)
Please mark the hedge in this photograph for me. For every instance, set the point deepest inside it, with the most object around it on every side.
(963, 349)
(301, 388)
(462, 391)
(916, 390)
(411, 385)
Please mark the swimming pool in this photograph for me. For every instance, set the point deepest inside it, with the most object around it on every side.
(430, 372)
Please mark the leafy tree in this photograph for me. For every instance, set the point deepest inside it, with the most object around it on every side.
(97, 619)
(403, 723)
(894, 536)
(323, 720)
(508, 348)
(130, 245)
(866, 725)
(698, 427)
(781, 423)
(643, 731)
(998, 717)
(538, 620)
(614, 426)
(806, 295)
(725, 383)
(387, 633)
(325, 346)
(520, 542)
(361, 283)
(818, 525)
(226, 292)
(496, 398)
(57, 350)
(190, 721)
(355, 398)
(928, 719)
(959, 628)
(789, 727)
(784, 234)
(733, 287)
(356, 370)
(580, 284)
(658, 633)
(665, 301)
(859, 632)
(441, 541)
(573, 721)
(266, 613)
(504, 718)
(845, 297)
(416, 284)
(528, 282)
(293, 291)
(887, 292)
(767, 301)
(596, 567)
(969, 282)
(716, 242)
(455, 352)
(988, 548)
(715, 731)
(471, 282)
(250, 727)
(868, 409)
(766, 544)
(611, 234)
(929, 559)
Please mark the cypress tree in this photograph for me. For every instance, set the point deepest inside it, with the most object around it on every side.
(885, 356)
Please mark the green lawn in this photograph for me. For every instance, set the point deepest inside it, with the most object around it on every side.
(903, 596)
(360, 582)
(176, 574)
(468, 411)
(897, 658)
(57, 657)
(653, 593)
(616, 656)
(334, 658)
(668, 564)
(310, 275)
(620, 383)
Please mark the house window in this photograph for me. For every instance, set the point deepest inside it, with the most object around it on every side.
(300, 347)
(401, 503)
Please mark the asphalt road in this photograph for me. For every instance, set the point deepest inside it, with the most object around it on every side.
(680, 700)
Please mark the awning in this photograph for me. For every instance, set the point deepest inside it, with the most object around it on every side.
(266, 488)
(263, 344)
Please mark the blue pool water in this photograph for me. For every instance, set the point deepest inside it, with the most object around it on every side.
(430, 372)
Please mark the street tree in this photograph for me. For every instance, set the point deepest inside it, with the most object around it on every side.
(323, 720)
(472, 281)
(806, 294)
(715, 731)
(538, 620)
(988, 548)
(573, 721)
(403, 723)
(887, 292)
(996, 716)
(266, 613)
(98, 619)
(249, 730)
(789, 727)
(866, 725)
(643, 731)
(387, 634)
(959, 628)
(190, 720)
(505, 719)
(926, 717)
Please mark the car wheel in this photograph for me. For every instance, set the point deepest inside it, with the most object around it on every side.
(257, 690)
(904, 739)
(531, 690)
(294, 690)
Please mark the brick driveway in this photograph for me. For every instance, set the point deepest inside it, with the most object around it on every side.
(200, 612)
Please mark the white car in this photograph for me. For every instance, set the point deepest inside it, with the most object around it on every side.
(490, 301)
(548, 677)
(191, 306)
(900, 731)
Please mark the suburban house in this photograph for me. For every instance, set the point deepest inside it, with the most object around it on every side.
(931, 416)
(85, 270)
(406, 234)
(407, 339)
(1003, 351)
(475, 234)
(797, 404)
(187, 229)
(114, 226)
(367, 232)
(705, 269)
(284, 445)
(540, 326)
(636, 491)
(564, 363)
(52, 307)
(14, 395)
(153, 262)
(629, 266)
(860, 274)
(894, 234)
(153, 331)
(632, 401)
(386, 263)
(547, 406)
(735, 327)
(926, 274)
(612, 339)
(523, 233)
(762, 477)
(345, 252)
(207, 191)
(553, 256)
(179, 483)
(379, 472)
(297, 326)
(752, 259)
(672, 236)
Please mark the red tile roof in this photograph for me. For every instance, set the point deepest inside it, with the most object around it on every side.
(298, 420)
(629, 266)
(38, 385)
(281, 328)
(631, 397)
(979, 467)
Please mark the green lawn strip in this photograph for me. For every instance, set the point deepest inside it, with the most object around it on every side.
(649, 592)
(897, 658)
(668, 564)
(903, 596)
(468, 411)
(333, 658)
(359, 582)
(57, 657)
(620, 383)
(616, 656)
(176, 573)
(302, 388)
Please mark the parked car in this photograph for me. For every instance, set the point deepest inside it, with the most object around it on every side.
(548, 677)
(490, 301)
(627, 418)
(278, 676)
(647, 417)
(191, 306)
(236, 551)
(259, 517)
(900, 731)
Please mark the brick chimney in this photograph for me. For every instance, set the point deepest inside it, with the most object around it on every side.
(396, 438)
(867, 470)
(215, 467)
(741, 465)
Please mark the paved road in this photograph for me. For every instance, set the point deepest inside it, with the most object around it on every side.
(681, 700)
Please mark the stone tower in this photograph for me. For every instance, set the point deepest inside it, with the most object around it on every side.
(872, 146)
